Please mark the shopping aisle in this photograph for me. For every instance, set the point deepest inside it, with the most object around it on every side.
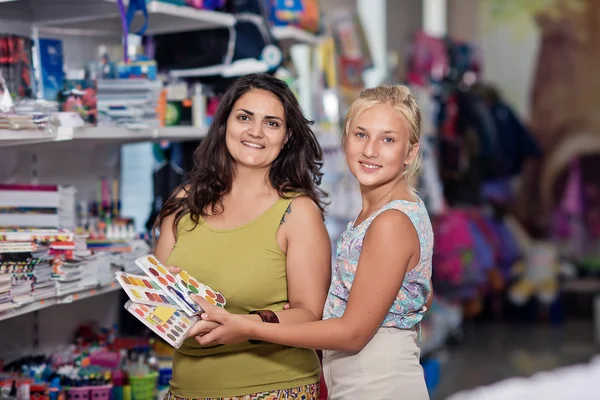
(496, 351)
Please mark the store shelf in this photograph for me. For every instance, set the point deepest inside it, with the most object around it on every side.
(235, 69)
(100, 135)
(101, 17)
(70, 298)
(290, 35)
(126, 135)
(18, 138)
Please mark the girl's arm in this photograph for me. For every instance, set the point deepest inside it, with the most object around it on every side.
(390, 247)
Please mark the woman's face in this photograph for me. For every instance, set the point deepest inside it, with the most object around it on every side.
(256, 129)
(377, 146)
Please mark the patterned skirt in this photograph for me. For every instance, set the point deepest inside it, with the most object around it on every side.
(308, 392)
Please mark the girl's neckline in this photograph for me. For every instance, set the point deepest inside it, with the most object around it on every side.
(376, 212)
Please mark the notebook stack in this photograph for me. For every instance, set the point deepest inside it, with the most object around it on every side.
(29, 206)
(130, 103)
(44, 287)
(17, 265)
(26, 259)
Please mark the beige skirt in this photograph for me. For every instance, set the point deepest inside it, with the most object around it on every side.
(386, 368)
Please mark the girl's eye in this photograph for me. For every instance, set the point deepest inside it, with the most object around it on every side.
(273, 124)
(388, 140)
(361, 135)
(244, 118)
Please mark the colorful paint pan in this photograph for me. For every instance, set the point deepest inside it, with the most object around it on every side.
(173, 331)
(168, 283)
(163, 281)
(141, 290)
(161, 269)
(192, 286)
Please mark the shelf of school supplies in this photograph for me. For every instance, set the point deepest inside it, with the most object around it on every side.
(290, 35)
(101, 135)
(66, 299)
(102, 18)
(18, 138)
(129, 135)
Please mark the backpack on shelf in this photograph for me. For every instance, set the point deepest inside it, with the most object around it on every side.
(227, 52)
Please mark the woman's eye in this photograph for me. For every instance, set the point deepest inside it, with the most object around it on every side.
(244, 118)
(388, 140)
(273, 124)
(361, 135)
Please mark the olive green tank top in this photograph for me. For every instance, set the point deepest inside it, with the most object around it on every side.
(248, 267)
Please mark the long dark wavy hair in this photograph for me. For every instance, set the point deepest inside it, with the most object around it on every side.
(297, 168)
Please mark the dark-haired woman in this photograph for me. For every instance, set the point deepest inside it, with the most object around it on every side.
(248, 222)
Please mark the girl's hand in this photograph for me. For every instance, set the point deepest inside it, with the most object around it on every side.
(200, 329)
(231, 329)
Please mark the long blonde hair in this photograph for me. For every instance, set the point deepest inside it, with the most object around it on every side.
(400, 98)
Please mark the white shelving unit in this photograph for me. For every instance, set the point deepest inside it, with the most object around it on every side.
(79, 156)
(291, 35)
(126, 135)
(100, 135)
(10, 138)
(101, 17)
(67, 299)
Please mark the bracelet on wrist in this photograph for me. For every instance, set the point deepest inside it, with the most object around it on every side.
(266, 316)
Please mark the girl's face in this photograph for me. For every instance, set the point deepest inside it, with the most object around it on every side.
(377, 146)
(256, 129)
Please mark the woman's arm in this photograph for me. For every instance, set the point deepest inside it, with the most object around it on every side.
(308, 261)
(166, 239)
(380, 273)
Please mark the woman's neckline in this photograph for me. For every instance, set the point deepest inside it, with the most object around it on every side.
(205, 224)
(374, 213)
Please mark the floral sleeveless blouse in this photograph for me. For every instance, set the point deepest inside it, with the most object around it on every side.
(408, 308)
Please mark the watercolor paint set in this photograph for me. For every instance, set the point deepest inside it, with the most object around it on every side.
(169, 323)
(143, 290)
(162, 300)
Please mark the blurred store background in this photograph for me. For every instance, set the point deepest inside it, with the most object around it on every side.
(100, 114)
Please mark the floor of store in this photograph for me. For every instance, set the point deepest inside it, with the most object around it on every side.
(492, 352)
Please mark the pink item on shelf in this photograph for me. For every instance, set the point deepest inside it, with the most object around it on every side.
(428, 58)
(195, 3)
(572, 203)
(453, 239)
(100, 392)
(79, 393)
(206, 4)
(106, 359)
